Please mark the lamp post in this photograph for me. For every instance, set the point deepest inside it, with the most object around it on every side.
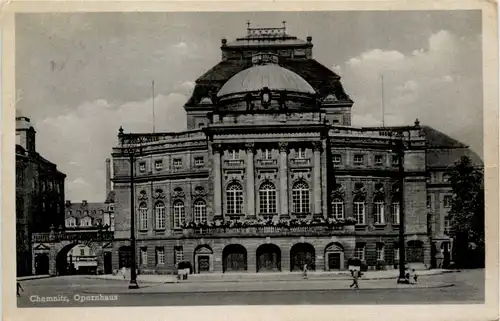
(131, 146)
(399, 146)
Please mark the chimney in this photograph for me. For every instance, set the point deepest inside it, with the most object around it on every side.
(68, 203)
(84, 203)
(108, 177)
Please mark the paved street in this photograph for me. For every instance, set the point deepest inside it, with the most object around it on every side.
(468, 287)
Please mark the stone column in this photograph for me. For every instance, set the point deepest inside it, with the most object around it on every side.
(317, 147)
(283, 180)
(216, 148)
(250, 180)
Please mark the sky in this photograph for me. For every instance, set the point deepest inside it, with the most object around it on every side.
(80, 76)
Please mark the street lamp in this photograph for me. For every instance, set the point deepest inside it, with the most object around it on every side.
(399, 146)
(131, 145)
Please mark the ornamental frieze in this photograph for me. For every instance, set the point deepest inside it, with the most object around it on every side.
(142, 196)
(178, 193)
(379, 190)
(159, 194)
(199, 192)
(338, 191)
(359, 190)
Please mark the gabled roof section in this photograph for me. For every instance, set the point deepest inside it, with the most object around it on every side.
(110, 198)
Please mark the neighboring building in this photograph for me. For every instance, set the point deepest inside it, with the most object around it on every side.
(39, 196)
(270, 174)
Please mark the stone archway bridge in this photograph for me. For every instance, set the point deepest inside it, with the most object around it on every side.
(57, 243)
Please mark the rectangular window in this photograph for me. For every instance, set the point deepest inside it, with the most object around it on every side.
(82, 252)
(177, 163)
(359, 252)
(395, 160)
(447, 200)
(338, 209)
(395, 213)
(160, 256)
(158, 164)
(178, 254)
(337, 159)
(359, 212)
(160, 216)
(378, 159)
(378, 212)
(380, 252)
(234, 155)
(429, 201)
(143, 218)
(358, 159)
(301, 153)
(198, 161)
(267, 154)
(446, 225)
(144, 256)
(142, 166)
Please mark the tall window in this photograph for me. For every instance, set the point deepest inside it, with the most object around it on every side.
(86, 221)
(378, 211)
(143, 216)
(234, 195)
(267, 197)
(301, 153)
(160, 256)
(300, 197)
(447, 201)
(234, 154)
(338, 208)
(71, 222)
(380, 252)
(446, 225)
(160, 215)
(396, 253)
(267, 154)
(200, 211)
(178, 254)
(359, 210)
(144, 256)
(395, 211)
(359, 251)
(179, 214)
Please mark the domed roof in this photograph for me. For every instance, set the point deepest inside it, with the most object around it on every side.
(271, 76)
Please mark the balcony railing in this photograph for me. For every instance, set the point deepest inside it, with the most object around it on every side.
(268, 231)
(234, 162)
(267, 162)
(300, 161)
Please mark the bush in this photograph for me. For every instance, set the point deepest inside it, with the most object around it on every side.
(381, 265)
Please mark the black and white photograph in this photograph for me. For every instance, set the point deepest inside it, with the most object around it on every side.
(252, 158)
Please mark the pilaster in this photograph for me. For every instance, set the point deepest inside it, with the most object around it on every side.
(283, 148)
(317, 148)
(250, 180)
(216, 148)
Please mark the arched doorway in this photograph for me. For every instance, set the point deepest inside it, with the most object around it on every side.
(125, 257)
(446, 251)
(415, 252)
(300, 254)
(268, 258)
(334, 257)
(203, 259)
(42, 264)
(76, 259)
(234, 258)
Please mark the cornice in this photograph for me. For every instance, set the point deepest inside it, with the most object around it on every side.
(159, 177)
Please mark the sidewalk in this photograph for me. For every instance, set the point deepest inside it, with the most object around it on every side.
(265, 286)
(33, 277)
(265, 277)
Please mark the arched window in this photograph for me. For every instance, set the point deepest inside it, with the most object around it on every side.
(234, 195)
(70, 222)
(143, 216)
(379, 211)
(86, 221)
(300, 197)
(200, 211)
(267, 198)
(160, 215)
(338, 208)
(359, 209)
(395, 211)
(179, 214)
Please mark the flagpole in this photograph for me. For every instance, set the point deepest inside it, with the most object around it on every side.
(153, 89)
(383, 102)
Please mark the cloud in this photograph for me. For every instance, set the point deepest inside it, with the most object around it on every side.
(181, 45)
(441, 85)
(80, 141)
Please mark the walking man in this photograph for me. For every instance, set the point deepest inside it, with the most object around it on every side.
(304, 272)
(355, 277)
(19, 287)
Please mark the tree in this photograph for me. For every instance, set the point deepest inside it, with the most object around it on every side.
(467, 209)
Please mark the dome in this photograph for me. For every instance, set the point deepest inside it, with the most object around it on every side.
(271, 76)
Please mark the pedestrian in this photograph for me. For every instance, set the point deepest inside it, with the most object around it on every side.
(415, 276)
(304, 272)
(355, 276)
(19, 287)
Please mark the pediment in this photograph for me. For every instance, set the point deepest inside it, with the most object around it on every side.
(204, 250)
(42, 247)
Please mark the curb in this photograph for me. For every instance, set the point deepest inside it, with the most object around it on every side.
(271, 290)
(34, 277)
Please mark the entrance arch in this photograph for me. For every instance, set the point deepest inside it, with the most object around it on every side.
(76, 258)
(234, 258)
(42, 263)
(334, 257)
(203, 259)
(268, 258)
(415, 252)
(300, 254)
(125, 257)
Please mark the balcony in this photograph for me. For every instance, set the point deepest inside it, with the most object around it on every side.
(234, 163)
(268, 231)
(300, 162)
(267, 162)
